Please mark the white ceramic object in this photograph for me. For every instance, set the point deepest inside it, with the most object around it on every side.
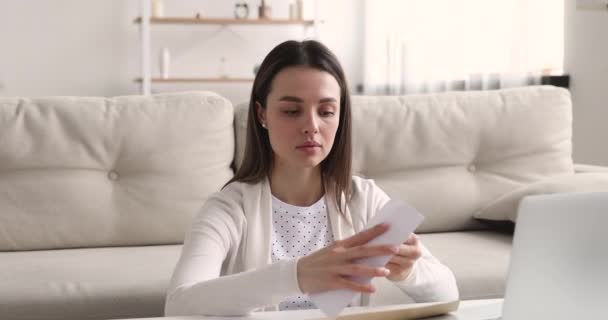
(165, 63)
(158, 8)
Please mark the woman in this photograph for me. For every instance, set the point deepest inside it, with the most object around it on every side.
(290, 221)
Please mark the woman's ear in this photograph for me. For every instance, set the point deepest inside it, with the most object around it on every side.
(261, 113)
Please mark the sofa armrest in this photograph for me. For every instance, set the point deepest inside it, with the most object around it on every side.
(588, 168)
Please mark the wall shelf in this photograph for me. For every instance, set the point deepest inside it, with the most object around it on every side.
(225, 21)
(195, 80)
(146, 20)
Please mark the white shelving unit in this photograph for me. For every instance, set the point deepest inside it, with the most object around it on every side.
(146, 21)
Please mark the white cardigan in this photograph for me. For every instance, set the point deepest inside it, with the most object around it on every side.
(226, 268)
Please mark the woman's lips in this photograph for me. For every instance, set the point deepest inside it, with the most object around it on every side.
(309, 148)
(309, 145)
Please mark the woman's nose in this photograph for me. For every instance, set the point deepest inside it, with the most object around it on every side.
(311, 125)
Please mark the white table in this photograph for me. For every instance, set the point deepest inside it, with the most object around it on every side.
(468, 310)
(475, 310)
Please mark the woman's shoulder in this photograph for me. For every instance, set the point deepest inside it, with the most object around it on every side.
(231, 188)
(362, 185)
(364, 189)
(366, 198)
(224, 203)
(237, 191)
(233, 191)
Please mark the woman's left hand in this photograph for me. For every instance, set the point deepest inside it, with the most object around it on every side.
(402, 263)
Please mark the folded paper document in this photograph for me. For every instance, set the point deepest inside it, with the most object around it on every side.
(403, 220)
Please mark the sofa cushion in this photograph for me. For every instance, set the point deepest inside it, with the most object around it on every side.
(100, 283)
(506, 207)
(479, 260)
(450, 154)
(131, 170)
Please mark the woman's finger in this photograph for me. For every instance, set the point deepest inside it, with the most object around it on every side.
(362, 271)
(412, 239)
(364, 236)
(395, 268)
(370, 251)
(344, 283)
(401, 262)
(409, 251)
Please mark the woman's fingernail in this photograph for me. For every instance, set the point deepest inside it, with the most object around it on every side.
(395, 249)
(385, 271)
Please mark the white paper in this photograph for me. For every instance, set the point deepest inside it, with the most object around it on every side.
(403, 220)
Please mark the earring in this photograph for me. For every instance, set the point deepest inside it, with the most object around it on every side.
(264, 125)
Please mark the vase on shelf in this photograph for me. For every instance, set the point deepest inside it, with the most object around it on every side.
(296, 10)
(264, 11)
(292, 11)
(299, 9)
(157, 8)
(165, 63)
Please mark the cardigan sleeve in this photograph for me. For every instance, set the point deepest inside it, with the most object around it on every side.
(429, 280)
(197, 287)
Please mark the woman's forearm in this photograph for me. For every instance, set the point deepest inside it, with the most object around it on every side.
(237, 294)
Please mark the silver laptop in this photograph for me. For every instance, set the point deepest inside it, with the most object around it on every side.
(559, 259)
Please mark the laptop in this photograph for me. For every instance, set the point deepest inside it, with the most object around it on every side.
(559, 259)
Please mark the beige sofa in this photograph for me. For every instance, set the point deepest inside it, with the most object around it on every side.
(96, 193)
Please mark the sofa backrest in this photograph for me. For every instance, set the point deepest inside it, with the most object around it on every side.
(450, 154)
(132, 170)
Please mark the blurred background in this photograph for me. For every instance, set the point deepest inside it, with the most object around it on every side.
(395, 47)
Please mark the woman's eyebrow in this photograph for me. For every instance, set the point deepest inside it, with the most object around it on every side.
(291, 99)
(327, 100)
(296, 99)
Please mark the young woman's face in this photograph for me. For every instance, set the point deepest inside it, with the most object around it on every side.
(302, 116)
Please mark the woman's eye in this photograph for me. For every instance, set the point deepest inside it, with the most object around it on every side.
(290, 112)
(327, 113)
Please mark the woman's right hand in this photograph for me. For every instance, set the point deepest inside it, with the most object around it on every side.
(330, 268)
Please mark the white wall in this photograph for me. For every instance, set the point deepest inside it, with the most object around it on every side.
(75, 47)
(586, 60)
(65, 47)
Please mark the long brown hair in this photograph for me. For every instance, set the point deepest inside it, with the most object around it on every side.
(258, 158)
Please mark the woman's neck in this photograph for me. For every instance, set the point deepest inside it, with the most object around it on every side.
(298, 187)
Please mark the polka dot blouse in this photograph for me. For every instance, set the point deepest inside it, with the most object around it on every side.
(298, 231)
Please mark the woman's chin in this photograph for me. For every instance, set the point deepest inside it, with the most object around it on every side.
(301, 161)
(309, 163)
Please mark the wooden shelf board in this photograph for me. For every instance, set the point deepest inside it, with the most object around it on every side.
(194, 80)
(223, 21)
